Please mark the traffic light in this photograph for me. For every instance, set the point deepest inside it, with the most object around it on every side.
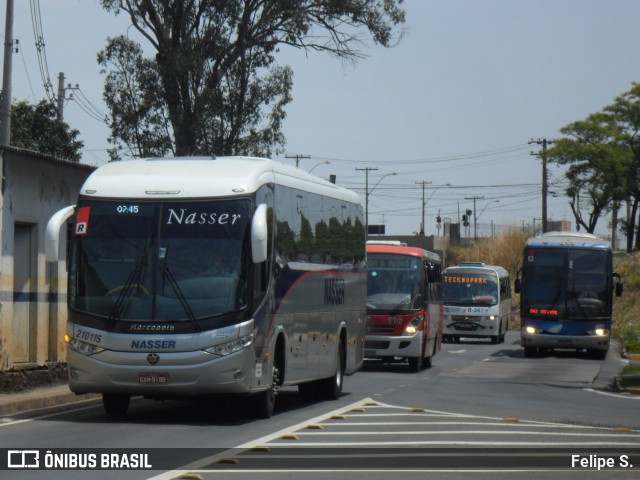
(465, 220)
(438, 219)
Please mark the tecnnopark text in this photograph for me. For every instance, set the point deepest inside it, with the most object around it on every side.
(600, 462)
(42, 459)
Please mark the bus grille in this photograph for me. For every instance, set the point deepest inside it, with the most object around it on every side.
(380, 329)
(462, 318)
(376, 345)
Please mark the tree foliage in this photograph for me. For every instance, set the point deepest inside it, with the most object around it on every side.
(37, 128)
(595, 170)
(214, 67)
(602, 154)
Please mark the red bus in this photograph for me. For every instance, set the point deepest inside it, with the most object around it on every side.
(404, 304)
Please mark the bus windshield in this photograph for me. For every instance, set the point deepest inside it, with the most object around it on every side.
(171, 261)
(463, 288)
(566, 284)
(394, 282)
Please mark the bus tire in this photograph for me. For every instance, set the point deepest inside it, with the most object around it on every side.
(331, 388)
(415, 364)
(427, 362)
(597, 354)
(308, 391)
(264, 403)
(115, 404)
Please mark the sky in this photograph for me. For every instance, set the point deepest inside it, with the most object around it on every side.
(449, 112)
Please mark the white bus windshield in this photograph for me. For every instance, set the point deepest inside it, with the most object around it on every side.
(463, 288)
(570, 284)
(171, 261)
(394, 282)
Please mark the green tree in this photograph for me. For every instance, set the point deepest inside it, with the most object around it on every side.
(214, 60)
(596, 167)
(139, 118)
(625, 112)
(36, 127)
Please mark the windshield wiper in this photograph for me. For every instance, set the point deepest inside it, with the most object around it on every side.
(123, 297)
(176, 288)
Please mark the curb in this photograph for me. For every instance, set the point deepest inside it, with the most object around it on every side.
(41, 398)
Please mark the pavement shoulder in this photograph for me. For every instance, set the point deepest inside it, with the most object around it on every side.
(40, 397)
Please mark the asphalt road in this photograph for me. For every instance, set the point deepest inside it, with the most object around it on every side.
(482, 410)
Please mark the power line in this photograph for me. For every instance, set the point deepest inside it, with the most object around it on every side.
(36, 21)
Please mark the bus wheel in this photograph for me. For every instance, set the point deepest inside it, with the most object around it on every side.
(331, 388)
(308, 391)
(115, 404)
(530, 352)
(427, 362)
(597, 354)
(418, 363)
(264, 402)
(495, 339)
(415, 364)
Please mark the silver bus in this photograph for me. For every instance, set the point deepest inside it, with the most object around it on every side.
(477, 302)
(198, 276)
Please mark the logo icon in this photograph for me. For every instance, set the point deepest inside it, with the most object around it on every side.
(23, 459)
(153, 358)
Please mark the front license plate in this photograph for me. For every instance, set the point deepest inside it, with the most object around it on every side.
(153, 378)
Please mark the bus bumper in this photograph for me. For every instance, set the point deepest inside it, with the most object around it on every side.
(577, 342)
(380, 346)
(175, 374)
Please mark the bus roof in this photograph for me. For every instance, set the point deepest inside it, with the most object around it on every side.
(402, 250)
(566, 239)
(477, 267)
(202, 177)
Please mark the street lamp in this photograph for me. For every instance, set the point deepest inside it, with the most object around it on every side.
(424, 203)
(475, 220)
(326, 162)
(367, 192)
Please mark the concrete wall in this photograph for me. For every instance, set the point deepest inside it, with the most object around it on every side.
(33, 291)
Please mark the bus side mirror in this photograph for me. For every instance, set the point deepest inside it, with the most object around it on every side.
(259, 234)
(619, 287)
(52, 233)
(516, 285)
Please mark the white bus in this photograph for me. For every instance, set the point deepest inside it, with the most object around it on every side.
(477, 302)
(197, 276)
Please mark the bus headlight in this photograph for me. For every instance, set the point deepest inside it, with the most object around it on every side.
(601, 332)
(412, 328)
(530, 329)
(232, 346)
(81, 347)
(492, 317)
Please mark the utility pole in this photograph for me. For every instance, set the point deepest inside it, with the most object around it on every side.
(475, 215)
(297, 157)
(534, 225)
(61, 96)
(545, 177)
(366, 196)
(5, 111)
(422, 225)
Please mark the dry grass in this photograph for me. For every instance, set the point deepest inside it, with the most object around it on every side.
(626, 309)
(506, 250)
